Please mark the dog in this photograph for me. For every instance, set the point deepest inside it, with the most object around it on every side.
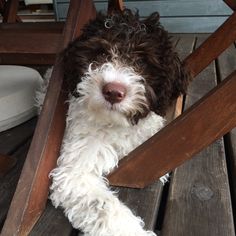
(122, 74)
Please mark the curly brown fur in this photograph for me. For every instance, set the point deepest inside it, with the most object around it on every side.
(141, 44)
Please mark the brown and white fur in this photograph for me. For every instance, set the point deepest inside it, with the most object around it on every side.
(122, 73)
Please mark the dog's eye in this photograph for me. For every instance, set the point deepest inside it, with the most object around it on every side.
(140, 61)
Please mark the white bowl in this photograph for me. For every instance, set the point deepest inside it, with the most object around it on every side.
(18, 85)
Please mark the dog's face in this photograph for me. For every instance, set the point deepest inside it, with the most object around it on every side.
(124, 68)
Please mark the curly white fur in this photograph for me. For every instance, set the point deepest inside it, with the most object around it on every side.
(97, 136)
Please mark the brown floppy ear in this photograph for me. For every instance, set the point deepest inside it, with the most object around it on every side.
(181, 79)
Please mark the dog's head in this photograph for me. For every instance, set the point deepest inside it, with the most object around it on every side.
(125, 67)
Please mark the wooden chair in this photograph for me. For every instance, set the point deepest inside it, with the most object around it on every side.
(27, 43)
(28, 205)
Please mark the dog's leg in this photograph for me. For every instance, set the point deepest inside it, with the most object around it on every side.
(81, 190)
(94, 209)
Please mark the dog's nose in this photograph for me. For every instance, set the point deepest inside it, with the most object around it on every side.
(114, 92)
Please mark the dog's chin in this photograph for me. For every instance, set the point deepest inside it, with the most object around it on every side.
(108, 115)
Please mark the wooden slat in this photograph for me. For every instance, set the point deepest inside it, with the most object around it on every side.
(212, 47)
(226, 64)
(33, 27)
(29, 48)
(30, 43)
(27, 205)
(27, 59)
(156, 157)
(199, 198)
(176, 16)
(166, 8)
(48, 227)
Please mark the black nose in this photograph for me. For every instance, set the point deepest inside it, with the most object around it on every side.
(114, 92)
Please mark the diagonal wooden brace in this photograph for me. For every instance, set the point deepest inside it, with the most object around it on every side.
(32, 190)
(210, 118)
(217, 42)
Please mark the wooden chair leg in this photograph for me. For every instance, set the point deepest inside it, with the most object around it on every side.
(210, 118)
(32, 190)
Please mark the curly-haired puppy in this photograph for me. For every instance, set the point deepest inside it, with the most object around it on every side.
(122, 74)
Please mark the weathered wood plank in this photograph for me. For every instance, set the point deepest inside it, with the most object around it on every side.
(176, 16)
(33, 27)
(214, 46)
(226, 64)
(52, 222)
(15, 42)
(28, 205)
(29, 48)
(167, 8)
(199, 198)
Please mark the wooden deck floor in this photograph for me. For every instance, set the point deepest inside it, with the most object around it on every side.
(199, 200)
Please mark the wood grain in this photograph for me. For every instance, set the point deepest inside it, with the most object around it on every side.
(226, 64)
(32, 27)
(48, 227)
(27, 205)
(199, 192)
(48, 43)
(214, 46)
(21, 48)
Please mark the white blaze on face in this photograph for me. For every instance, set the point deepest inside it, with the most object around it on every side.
(92, 85)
